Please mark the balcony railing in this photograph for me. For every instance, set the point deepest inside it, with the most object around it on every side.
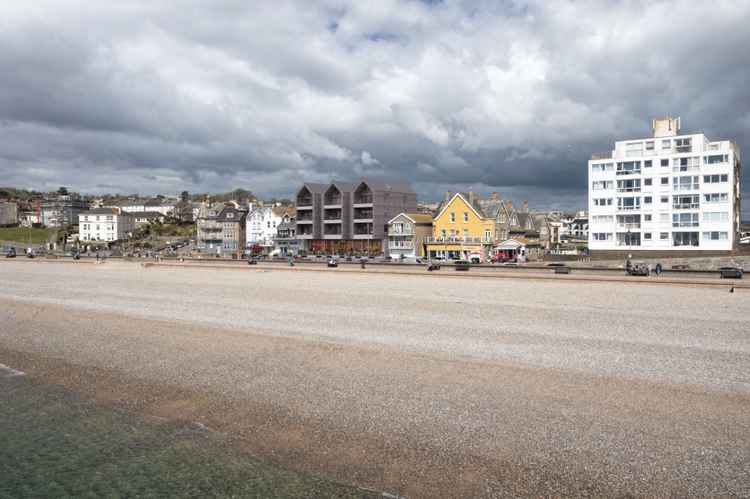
(453, 240)
(686, 187)
(401, 245)
(686, 206)
(628, 172)
(332, 200)
(629, 189)
(629, 208)
(304, 202)
(633, 225)
(363, 199)
(393, 233)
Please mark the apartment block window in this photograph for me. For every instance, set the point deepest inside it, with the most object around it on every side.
(686, 164)
(487, 235)
(715, 236)
(664, 199)
(665, 181)
(630, 185)
(716, 197)
(646, 218)
(683, 202)
(666, 145)
(685, 220)
(716, 159)
(648, 200)
(602, 185)
(603, 202)
(602, 167)
(466, 216)
(715, 179)
(649, 146)
(602, 236)
(663, 236)
(628, 168)
(716, 216)
(648, 181)
(683, 145)
(647, 236)
(453, 218)
(664, 162)
(634, 149)
(685, 238)
(688, 183)
(602, 219)
(648, 163)
(631, 203)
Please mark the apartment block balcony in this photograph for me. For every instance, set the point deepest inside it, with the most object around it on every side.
(602, 155)
(363, 200)
(304, 202)
(364, 214)
(629, 208)
(332, 216)
(393, 233)
(629, 226)
(628, 172)
(332, 200)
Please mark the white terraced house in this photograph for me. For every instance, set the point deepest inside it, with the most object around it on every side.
(671, 192)
(105, 224)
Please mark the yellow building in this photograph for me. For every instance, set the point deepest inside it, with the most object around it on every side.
(461, 230)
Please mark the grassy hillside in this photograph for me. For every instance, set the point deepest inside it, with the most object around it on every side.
(22, 235)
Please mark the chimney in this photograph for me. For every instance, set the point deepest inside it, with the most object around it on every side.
(494, 196)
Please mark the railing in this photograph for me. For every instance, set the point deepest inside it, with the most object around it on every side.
(686, 206)
(401, 245)
(362, 214)
(442, 240)
(628, 208)
(302, 202)
(629, 189)
(682, 149)
(602, 155)
(392, 233)
(364, 199)
(629, 226)
(686, 187)
(332, 216)
(685, 224)
(685, 168)
(628, 172)
(332, 200)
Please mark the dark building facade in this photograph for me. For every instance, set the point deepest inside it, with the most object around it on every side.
(349, 218)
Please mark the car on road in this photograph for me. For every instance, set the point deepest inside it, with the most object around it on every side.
(10, 252)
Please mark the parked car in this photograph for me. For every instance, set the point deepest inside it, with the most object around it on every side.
(462, 265)
(10, 252)
(639, 269)
(730, 273)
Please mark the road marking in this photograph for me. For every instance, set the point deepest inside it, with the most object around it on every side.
(9, 372)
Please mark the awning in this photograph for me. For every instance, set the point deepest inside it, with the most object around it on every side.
(509, 244)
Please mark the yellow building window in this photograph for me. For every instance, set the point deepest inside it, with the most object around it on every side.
(453, 218)
(466, 216)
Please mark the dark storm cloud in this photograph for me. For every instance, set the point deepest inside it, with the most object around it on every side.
(495, 96)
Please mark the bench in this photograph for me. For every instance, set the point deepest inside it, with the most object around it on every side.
(462, 265)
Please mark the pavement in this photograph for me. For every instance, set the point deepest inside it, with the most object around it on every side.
(422, 387)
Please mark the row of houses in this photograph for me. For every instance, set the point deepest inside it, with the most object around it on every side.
(382, 218)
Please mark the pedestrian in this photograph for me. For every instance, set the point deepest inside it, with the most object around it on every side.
(629, 264)
(658, 269)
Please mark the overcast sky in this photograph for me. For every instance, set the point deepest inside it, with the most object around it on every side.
(507, 96)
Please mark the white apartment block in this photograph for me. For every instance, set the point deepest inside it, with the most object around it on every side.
(105, 224)
(668, 192)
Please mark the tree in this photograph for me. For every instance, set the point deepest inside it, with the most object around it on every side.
(184, 196)
(63, 191)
